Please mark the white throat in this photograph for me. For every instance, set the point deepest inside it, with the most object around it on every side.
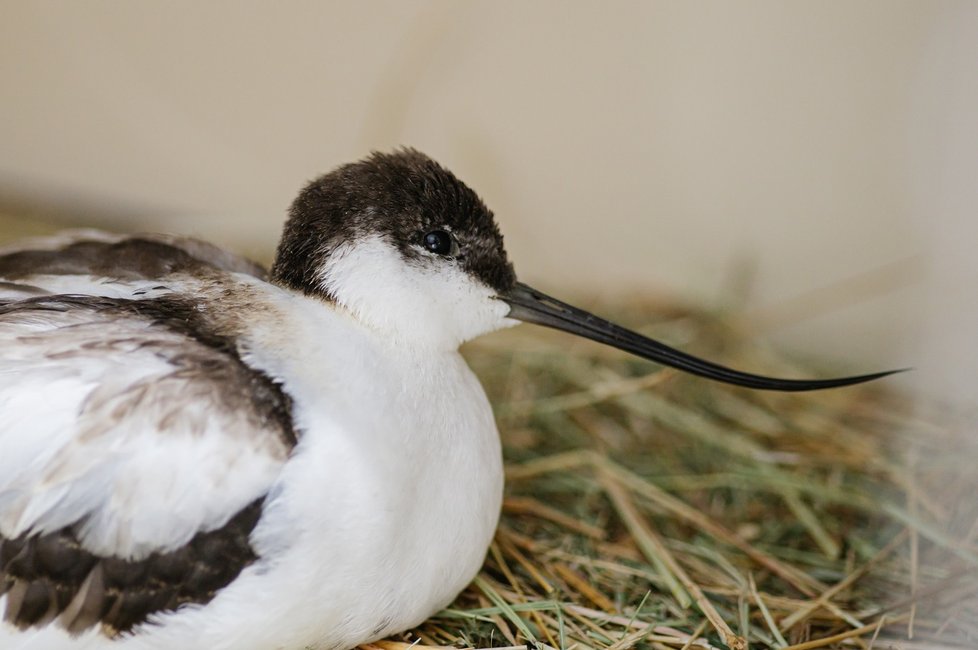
(435, 304)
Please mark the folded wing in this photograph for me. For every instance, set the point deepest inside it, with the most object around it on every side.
(136, 449)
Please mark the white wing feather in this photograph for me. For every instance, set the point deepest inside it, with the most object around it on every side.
(107, 421)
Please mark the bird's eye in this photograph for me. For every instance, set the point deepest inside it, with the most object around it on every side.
(440, 243)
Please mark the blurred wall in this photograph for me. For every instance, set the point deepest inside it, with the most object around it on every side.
(812, 163)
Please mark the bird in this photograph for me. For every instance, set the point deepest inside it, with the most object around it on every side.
(197, 452)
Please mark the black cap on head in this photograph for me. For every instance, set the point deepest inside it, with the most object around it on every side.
(400, 196)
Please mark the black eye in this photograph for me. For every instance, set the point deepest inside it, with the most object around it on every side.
(439, 242)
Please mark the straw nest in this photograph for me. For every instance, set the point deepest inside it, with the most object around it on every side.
(647, 509)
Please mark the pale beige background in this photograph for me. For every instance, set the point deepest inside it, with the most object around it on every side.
(829, 150)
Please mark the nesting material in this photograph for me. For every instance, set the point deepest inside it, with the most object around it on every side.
(646, 508)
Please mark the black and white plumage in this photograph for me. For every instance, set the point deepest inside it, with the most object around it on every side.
(138, 447)
(196, 455)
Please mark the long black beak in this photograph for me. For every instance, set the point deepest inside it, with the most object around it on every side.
(531, 306)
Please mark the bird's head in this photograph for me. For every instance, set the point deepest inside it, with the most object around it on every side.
(411, 251)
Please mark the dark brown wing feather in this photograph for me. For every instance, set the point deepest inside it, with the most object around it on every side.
(137, 257)
(50, 576)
